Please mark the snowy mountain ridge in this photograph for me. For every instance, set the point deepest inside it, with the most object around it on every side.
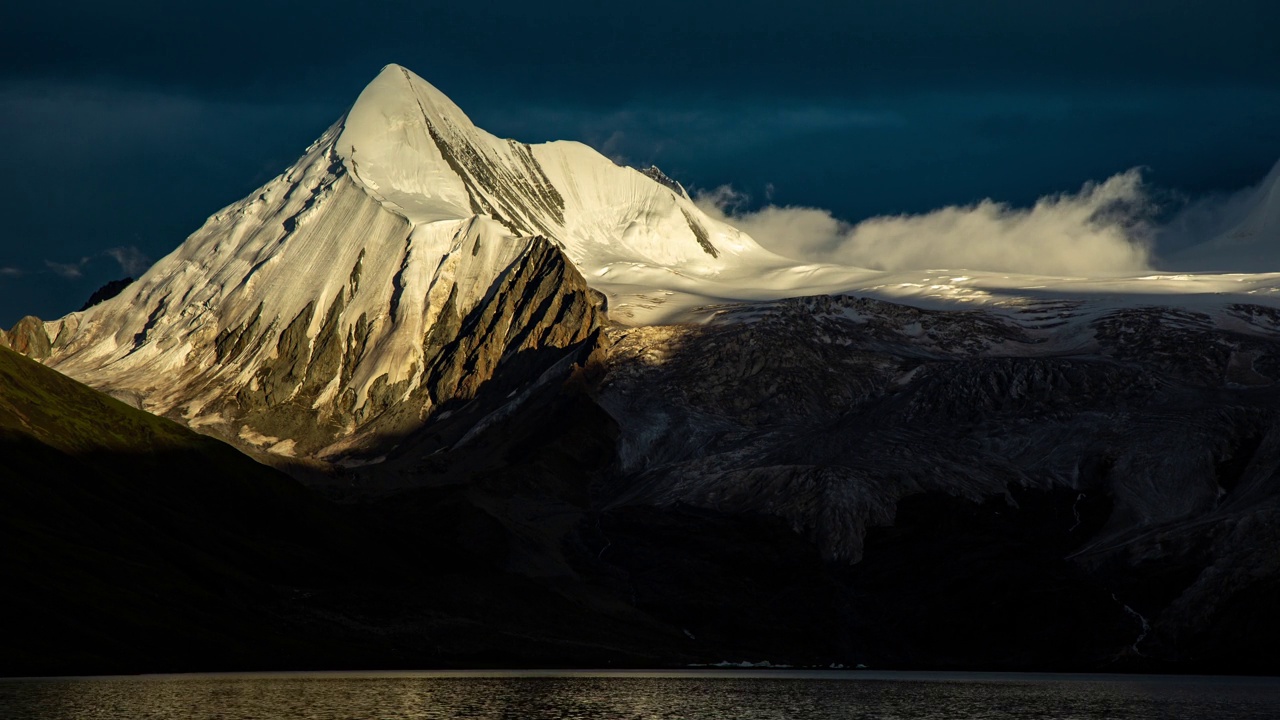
(344, 288)
(400, 213)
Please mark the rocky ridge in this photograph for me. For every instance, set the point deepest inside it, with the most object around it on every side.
(28, 337)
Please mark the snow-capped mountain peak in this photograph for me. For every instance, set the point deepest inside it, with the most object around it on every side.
(406, 142)
(385, 276)
(418, 153)
(334, 290)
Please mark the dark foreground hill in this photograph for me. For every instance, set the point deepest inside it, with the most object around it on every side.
(131, 544)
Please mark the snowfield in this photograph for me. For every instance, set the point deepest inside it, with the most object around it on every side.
(404, 207)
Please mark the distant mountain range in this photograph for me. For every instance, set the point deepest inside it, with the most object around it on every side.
(572, 419)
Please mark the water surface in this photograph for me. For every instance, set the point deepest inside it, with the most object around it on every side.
(641, 696)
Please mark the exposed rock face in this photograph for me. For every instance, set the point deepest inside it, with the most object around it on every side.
(827, 411)
(1149, 439)
(304, 400)
(29, 338)
(106, 292)
(535, 313)
(656, 174)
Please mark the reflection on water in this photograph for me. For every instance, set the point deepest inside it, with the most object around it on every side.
(586, 696)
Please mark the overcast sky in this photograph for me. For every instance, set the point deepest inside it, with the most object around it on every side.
(126, 124)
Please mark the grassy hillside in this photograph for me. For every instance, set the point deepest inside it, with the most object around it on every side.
(131, 543)
(43, 405)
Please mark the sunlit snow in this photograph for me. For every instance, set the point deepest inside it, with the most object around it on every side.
(407, 199)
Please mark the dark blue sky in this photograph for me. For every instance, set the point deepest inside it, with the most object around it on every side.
(126, 124)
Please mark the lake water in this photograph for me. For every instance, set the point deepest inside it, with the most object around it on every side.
(611, 696)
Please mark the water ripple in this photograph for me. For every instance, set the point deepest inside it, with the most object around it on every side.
(897, 696)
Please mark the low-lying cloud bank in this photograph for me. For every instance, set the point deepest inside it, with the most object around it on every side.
(1102, 230)
(1106, 228)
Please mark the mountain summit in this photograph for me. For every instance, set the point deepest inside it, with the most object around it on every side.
(324, 302)
(419, 155)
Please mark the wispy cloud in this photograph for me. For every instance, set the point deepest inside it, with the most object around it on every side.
(70, 271)
(133, 262)
(1102, 229)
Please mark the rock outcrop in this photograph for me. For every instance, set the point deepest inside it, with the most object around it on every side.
(828, 411)
(532, 314)
(106, 292)
(28, 337)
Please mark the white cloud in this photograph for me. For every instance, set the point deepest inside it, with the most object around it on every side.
(1100, 230)
(70, 271)
(11, 272)
(133, 262)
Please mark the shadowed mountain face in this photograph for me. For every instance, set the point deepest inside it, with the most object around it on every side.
(1127, 458)
(131, 544)
(837, 480)
(829, 479)
(1057, 487)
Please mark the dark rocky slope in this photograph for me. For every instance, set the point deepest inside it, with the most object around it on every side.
(1108, 478)
(839, 479)
(129, 544)
(132, 543)
(109, 290)
(824, 480)
(536, 310)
